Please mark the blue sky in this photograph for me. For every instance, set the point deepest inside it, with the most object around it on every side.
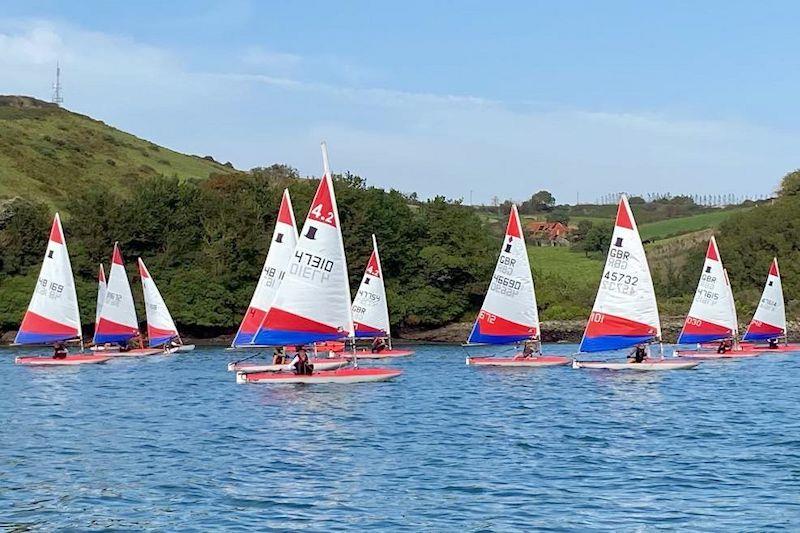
(501, 99)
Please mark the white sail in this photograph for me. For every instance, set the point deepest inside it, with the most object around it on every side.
(101, 292)
(313, 301)
(370, 310)
(625, 312)
(509, 313)
(769, 320)
(52, 314)
(711, 316)
(284, 239)
(118, 323)
(160, 327)
(734, 314)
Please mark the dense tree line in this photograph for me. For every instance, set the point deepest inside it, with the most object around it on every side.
(205, 241)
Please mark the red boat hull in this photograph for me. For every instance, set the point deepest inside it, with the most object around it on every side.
(781, 348)
(138, 352)
(346, 375)
(544, 360)
(384, 354)
(70, 360)
(705, 354)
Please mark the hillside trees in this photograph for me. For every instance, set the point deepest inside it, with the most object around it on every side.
(205, 243)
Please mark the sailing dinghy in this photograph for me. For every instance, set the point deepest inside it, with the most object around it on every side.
(712, 316)
(161, 330)
(509, 314)
(284, 239)
(769, 320)
(312, 303)
(625, 312)
(118, 324)
(371, 312)
(101, 297)
(52, 316)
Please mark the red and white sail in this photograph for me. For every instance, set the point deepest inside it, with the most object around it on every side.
(625, 312)
(52, 314)
(160, 326)
(284, 239)
(733, 304)
(712, 315)
(117, 323)
(769, 320)
(370, 310)
(313, 301)
(101, 292)
(509, 313)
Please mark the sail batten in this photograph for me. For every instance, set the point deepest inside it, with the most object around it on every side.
(625, 311)
(769, 320)
(509, 313)
(313, 302)
(52, 313)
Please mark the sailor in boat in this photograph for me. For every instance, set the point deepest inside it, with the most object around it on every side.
(278, 356)
(638, 355)
(773, 344)
(378, 345)
(530, 349)
(60, 351)
(725, 346)
(300, 363)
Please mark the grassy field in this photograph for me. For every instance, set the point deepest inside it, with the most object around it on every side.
(50, 153)
(679, 226)
(565, 281)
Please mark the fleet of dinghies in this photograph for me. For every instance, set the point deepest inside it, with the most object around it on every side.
(53, 317)
(303, 298)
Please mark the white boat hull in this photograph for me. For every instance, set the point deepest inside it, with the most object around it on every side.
(659, 365)
(183, 348)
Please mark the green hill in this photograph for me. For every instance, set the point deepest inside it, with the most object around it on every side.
(48, 153)
(672, 227)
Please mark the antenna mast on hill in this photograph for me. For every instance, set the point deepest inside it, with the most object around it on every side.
(57, 98)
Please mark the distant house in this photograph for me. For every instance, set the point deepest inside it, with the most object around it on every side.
(543, 233)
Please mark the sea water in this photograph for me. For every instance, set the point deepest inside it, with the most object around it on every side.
(173, 443)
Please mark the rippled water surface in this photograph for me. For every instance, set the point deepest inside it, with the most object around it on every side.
(173, 443)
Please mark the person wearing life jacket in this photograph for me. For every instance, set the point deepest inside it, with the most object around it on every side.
(638, 355)
(300, 363)
(378, 345)
(773, 344)
(278, 356)
(60, 351)
(528, 350)
(725, 346)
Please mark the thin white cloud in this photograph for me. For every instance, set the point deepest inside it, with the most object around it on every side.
(424, 142)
